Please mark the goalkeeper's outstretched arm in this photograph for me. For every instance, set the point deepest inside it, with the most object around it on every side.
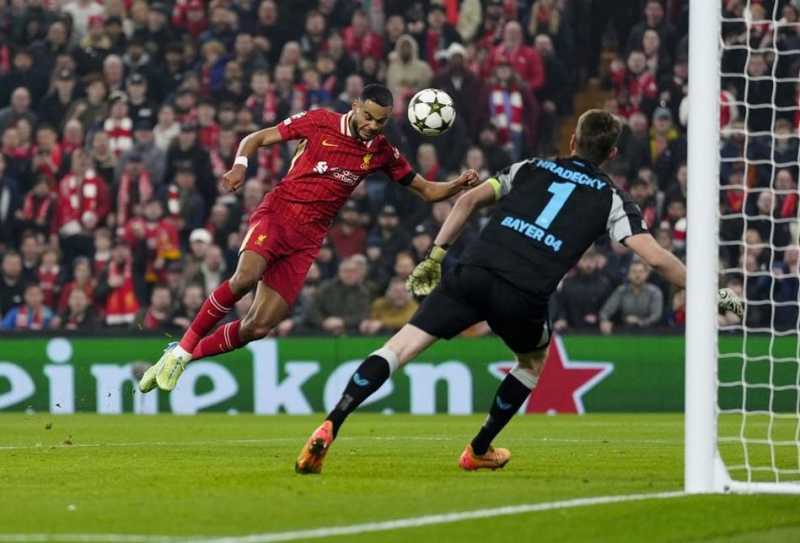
(674, 271)
(661, 260)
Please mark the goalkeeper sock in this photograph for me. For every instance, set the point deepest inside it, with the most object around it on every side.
(511, 394)
(370, 375)
(224, 339)
(212, 311)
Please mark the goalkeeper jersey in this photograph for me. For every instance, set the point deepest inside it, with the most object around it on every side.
(548, 213)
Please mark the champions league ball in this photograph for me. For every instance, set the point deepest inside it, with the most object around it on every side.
(431, 112)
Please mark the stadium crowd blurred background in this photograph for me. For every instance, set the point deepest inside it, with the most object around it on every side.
(118, 119)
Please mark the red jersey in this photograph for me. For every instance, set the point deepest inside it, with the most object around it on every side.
(328, 164)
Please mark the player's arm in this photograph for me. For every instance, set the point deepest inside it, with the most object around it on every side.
(658, 258)
(673, 270)
(434, 192)
(427, 274)
(234, 177)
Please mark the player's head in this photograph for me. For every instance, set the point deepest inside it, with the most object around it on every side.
(595, 137)
(371, 111)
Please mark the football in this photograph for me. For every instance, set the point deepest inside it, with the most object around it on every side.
(431, 112)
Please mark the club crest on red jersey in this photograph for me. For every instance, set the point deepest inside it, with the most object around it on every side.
(366, 159)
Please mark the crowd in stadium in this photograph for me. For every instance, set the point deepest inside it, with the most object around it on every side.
(118, 119)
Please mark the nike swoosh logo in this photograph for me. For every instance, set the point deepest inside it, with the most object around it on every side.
(503, 405)
(360, 381)
(326, 144)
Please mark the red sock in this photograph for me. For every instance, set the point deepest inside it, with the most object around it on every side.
(225, 338)
(213, 310)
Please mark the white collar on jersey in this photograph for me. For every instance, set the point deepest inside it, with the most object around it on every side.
(344, 128)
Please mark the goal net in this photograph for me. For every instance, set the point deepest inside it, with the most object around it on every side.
(743, 378)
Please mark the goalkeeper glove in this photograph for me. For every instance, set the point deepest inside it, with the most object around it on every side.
(728, 301)
(428, 273)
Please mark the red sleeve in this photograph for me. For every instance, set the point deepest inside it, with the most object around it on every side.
(300, 125)
(397, 168)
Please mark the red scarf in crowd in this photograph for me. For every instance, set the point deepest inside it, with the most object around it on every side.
(120, 134)
(270, 162)
(218, 164)
(29, 320)
(5, 59)
(80, 198)
(63, 299)
(121, 305)
(100, 262)
(173, 201)
(268, 104)
(208, 136)
(37, 208)
(151, 322)
(124, 202)
(48, 280)
(507, 112)
(162, 242)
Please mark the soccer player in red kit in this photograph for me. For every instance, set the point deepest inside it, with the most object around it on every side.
(335, 153)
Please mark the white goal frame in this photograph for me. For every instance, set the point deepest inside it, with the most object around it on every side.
(705, 471)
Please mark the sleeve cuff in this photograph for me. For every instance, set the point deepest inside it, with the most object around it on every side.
(497, 186)
(407, 179)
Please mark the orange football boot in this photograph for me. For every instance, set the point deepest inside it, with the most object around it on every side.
(492, 459)
(315, 449)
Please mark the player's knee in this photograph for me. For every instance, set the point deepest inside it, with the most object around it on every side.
(243, 280)
(253, 329)
(533, 361)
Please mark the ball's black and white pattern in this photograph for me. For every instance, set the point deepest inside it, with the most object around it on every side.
(431, 112)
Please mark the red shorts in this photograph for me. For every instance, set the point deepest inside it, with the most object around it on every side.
(289, 254)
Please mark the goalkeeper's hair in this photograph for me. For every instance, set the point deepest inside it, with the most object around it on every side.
(596, 135)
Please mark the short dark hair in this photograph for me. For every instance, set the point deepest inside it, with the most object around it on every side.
(596, 135)
(378, 94)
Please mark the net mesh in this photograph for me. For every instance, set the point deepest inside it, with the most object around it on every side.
(759, 358)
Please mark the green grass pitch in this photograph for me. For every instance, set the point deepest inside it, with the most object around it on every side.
(218, 475)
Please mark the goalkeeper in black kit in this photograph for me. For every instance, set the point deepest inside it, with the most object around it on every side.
(547, 214)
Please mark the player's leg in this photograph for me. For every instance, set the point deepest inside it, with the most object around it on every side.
(375, 370)
(511, 394)
(443, 315)
(278, 289)
(249, 270)
(528, 336)
(266, 311)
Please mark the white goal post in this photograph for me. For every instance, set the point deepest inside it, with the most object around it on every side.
(741, 444)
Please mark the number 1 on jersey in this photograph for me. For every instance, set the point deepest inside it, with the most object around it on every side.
(560, 192)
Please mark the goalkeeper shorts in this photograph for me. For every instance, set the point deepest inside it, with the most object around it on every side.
(470, 294)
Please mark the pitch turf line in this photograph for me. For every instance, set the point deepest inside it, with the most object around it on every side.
(184, 444)
(353, 529)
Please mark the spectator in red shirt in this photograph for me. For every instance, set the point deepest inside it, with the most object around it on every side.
(359, 40)
(48, 276)
(634, 85)
(512, 109)
(119, 126)
(153, 239)
(83, 197)
(207, 127)
(526, 62)
(135, 187)
(190, 15)
(39, 206)
(438, 37)
(348, 236)
(81, 280)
